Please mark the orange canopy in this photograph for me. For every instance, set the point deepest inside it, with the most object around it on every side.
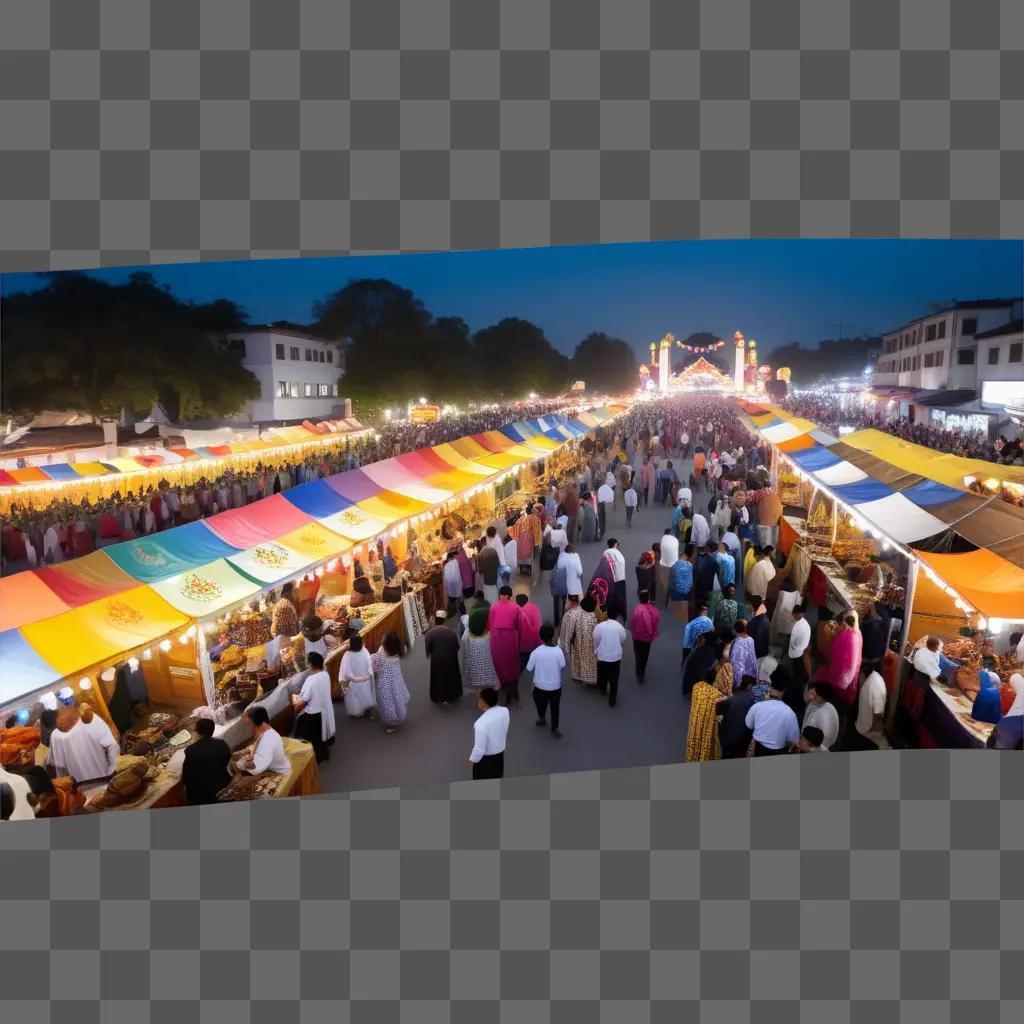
(993, 585)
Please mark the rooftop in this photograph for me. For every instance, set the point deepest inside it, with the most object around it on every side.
(1013, 327)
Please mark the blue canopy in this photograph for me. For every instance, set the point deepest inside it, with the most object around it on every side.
(512, 434)
(814, 458)
(317, 499)
(161, 555)
(863, 491)
(931, 493)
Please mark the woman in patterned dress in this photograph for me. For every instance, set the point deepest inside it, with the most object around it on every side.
(702, 735)
(577, 640)
(475, 658)
(389, 683)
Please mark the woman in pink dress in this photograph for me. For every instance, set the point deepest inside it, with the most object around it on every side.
(844, 659)
(503, 625)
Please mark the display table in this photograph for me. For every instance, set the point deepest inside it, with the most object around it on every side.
(167, 791)
(938, 715)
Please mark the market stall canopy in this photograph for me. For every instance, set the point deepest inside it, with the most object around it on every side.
(160, 555)
(23, 668)
(85, 579)
(318, 499)
(354, 524)
(390, 507)
(461, 462)
(353, 485)
(206, 590)
(394, 476)
(259, 522)
(102, 630)
(990, 583)
(25, 598)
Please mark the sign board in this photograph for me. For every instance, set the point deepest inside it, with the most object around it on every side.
(579, 385)
(425, 413)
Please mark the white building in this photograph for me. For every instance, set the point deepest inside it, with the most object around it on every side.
(298, 373)
(955, 368)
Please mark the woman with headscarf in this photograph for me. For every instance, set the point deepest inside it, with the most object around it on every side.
(577, 640)
(646, 575)
(503, 626)
(475, 659)
(702, 733)
(1009, 731)
(987, 706)
(356, 677)
(844, 662)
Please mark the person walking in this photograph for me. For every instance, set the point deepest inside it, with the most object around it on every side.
(609, 636)
(490, 736)
(389, 684)
(773, 724)
(605, 502)
(546, 662)
(503, 626)
(530, 622)
(314, 711)
(680, 585)
(569, 570)
(576, 638)
(629, 499)
(644, 626)
(476, 661)
(441, 645)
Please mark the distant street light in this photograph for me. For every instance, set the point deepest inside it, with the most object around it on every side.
(423, 401)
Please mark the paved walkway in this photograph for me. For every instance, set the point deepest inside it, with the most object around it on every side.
(647, 726)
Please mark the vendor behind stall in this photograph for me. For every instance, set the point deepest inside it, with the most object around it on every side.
(204, 771)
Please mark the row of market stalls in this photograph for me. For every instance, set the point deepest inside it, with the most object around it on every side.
(38, 485)
(872, 508)
(149, 605)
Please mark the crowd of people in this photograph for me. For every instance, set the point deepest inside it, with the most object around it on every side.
(44, 536)
(829, 412)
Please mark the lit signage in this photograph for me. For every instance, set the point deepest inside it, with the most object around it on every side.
(1003, 392)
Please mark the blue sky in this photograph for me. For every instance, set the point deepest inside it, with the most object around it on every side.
(791, 290)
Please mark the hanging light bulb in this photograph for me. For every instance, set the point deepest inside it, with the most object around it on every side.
(85, 683)
(191, 631)
(165, 645)
(133, 664)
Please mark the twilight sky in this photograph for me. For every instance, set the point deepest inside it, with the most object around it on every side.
(774, 291)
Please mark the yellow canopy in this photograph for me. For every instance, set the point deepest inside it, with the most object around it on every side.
(460, 462)
(390, 507)
(950, 470)
(314, 542)
(103, 629)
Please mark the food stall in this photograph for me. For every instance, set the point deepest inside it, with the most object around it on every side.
(949, 562)
(161, 612)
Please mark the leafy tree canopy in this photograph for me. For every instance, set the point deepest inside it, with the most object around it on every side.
(83, 344)
(513, 357)
(843, 357)
(604, 363)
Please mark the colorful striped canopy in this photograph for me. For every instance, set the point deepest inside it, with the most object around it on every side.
(62, 619)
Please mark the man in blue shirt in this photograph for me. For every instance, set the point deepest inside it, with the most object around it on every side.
(726, 566)
(696, 627)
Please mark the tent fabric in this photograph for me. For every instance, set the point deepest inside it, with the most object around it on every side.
(423, 463)
(85, 579)
(354, 524)
(206, 589)
(23, 669)
(896, 517)
(160, 555)
(315, 542)
(60, 471)
(25, 598)
(839, 473)
(813, 459)
(96, 632)
(394, 476)
(490, 443)
(316, 499)
(990, 583)
(796, 444)
(862, 491)
(29, 475)
(89, 468)
(781, 432)
(513, 434)
(353, 485)
(269, 562)
(460, 461)
(390, 507)
(930, 493)
(259, 522)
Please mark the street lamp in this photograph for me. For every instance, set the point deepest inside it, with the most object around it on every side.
(423, 401)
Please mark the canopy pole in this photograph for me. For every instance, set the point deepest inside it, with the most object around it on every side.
(908, 604)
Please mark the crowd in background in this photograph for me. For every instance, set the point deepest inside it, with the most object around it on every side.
(828, 412)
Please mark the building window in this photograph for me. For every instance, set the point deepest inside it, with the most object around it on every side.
(940, 358)
(942, 328)
(993, 355)
(330, 356)
(1016, 352)
(293, 390)
(307, 390)
(279, 351)
(969, 325)
(282, 389)
(325, 390)
(334, 390)
(294, 352)
(309, 355)
(965, 357)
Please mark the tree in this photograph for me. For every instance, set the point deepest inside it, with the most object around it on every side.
(389, 357)
(844, 357)
(605, 363)
(513, 358)
(453, 346)
(83, 344)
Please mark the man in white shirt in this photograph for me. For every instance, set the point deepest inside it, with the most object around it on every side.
(669, 557)
(82, 746)
(494, 541)
(609, 636)
(701, 531)
(618, 560)
(684, 496)
(268, 752)
(629, 499)
(557, 537)
(799, 646)
(871, 711)
(511, 557)
(773, 724)
(762, 572)
(821, 715)
(546, 663)
(926, 658)
(570, 560)
(453, 584)
(490, 735)
(314, 710)
(605, 501)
